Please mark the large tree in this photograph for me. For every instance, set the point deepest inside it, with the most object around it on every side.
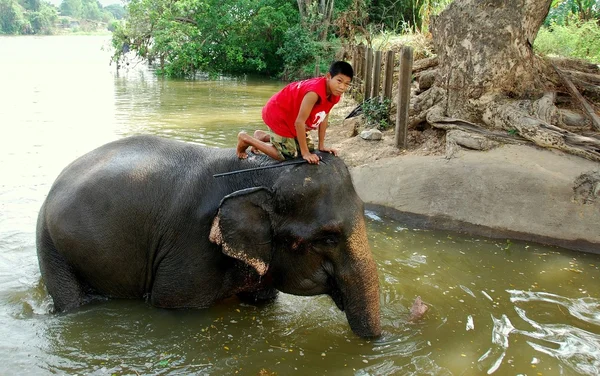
(211, 36)
(491, 87)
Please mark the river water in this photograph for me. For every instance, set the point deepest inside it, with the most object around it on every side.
(496, 306)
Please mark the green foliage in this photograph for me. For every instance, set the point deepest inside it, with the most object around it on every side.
(393, 15)
(298, 50)
(91, 11)
(429, 8)
(72, 8)
(578, 39)
(43, 20)
(12, 20)
(563, 11)
(377, 112)
(210, 36)
(404, 15)
(117, 11)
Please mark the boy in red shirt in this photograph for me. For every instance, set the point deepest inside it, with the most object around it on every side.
(296, 110)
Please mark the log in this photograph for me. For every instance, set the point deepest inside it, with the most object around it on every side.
(592, 79)
(424, 64)
(575, 64)
(586, 107)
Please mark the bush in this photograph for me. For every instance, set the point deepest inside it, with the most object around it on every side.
(578, 39)
(377, 113)
(298, 50)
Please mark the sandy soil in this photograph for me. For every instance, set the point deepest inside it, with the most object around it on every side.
(355, 151)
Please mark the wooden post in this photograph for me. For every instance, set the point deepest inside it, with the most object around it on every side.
(376, 75)
(388, 73)
(368, 72)
(354, 66)
(404, 81)
(358, 72)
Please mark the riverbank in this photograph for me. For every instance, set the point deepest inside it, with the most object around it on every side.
(513, 192)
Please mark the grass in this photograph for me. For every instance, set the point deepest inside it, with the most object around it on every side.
(578, 40)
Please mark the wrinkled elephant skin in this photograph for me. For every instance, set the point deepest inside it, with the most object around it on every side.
(144, 217)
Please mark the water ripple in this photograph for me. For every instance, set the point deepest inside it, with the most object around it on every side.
(502, 328)
(575, 347)
(586, 309)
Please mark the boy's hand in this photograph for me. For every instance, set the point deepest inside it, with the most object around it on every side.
(329, 150)
(311, 158)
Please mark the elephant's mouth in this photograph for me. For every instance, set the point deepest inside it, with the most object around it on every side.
(336, 296)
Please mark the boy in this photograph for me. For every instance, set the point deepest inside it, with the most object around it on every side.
(296, 110)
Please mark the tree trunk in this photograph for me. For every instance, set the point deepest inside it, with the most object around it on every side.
(485, 47)
(490, 83)
(316, 15)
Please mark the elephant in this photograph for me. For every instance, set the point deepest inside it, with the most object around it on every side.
(145, 217)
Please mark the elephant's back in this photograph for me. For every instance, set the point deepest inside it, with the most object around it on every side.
(107, 211)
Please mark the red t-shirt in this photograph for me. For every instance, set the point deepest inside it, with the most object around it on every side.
(282, 109)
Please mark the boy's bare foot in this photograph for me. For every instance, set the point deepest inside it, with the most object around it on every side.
(242, 145)
(261, 136)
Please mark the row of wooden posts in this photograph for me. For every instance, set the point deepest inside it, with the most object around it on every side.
(370, 83)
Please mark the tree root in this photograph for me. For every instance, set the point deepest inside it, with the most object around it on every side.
(515, 117)
(508, 122)
(461, 133)
(420, 105)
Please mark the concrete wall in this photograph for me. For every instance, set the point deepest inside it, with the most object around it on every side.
(518, 192)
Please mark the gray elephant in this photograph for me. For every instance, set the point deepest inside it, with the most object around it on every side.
(144, 217)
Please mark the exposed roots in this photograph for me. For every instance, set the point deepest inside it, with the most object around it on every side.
(504, 121)
(513, 116)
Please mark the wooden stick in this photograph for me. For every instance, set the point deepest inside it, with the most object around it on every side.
(260, 168)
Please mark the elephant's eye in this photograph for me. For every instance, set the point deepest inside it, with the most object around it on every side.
(329, 240)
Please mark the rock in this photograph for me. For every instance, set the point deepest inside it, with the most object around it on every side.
(371, 134)
(350, 126)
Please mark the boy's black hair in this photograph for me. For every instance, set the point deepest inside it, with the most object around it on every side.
(341, 67)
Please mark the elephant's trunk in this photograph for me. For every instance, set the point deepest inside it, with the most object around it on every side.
(359, 284)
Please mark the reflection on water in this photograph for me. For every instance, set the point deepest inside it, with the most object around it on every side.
(496, 306)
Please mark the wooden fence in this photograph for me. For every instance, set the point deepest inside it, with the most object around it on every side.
(370, 82)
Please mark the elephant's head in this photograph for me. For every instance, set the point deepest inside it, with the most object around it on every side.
(306, 232)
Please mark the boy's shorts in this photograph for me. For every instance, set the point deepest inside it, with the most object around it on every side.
(288, 148)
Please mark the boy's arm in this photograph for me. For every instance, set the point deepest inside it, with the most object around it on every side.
(308, 102)
(322, 131)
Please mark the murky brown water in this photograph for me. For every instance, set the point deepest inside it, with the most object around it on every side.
(497, 307)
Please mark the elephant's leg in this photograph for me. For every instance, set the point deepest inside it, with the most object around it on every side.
(266, 295)
(175, 287)
(62, 284)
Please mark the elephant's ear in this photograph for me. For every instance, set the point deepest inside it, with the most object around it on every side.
(242, 227)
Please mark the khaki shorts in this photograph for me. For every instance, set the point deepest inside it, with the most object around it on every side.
(287, 147)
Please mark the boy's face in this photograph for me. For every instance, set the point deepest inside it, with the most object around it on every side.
(338, 84)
